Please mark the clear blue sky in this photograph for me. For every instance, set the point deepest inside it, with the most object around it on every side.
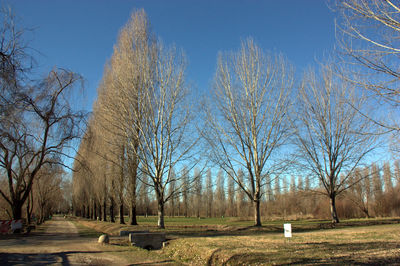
(79, 35)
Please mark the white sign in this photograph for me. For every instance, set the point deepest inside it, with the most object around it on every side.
(287, 230)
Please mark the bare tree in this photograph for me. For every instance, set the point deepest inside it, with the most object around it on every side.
(83, 179)
(144, 195)
(360, 194)
(331, 136)
(80, 183)
(128, 74)
(198, 190)
(36, 120)
(397, 171)
(97, 165)
(377, 189)
(370, 35)
(387, 178)
(240, 197)
(165, 136)
(220, 194)
(44, 128)
(66, 189)
(249, 125)
(172, 188)
(209, 194)
(15, 64)
(230, 211)
(47, 189)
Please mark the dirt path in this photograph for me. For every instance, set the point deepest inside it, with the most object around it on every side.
(59, 244)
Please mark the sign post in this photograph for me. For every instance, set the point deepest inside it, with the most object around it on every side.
(287, 229)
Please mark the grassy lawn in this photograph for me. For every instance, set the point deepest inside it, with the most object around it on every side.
(361, 245)
(232, 241)
(86, 231)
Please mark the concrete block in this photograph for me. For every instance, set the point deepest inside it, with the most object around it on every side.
(147, 240)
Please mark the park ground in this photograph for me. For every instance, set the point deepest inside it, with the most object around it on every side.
(214, 241)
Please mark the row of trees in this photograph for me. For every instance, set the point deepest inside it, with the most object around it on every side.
(376, 195)
(294, 197)
(143, 129)
(140, 128)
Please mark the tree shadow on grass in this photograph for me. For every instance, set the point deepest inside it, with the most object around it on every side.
(39, 258)
(230, 231)
(346, 261)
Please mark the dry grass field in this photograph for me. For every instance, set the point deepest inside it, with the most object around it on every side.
(353, 242)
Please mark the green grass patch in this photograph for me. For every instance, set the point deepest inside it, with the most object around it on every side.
(193, 221)
(86, 231)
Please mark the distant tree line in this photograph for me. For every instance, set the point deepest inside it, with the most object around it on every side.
(293, 197)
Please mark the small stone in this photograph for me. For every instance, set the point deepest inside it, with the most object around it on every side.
(104, 239)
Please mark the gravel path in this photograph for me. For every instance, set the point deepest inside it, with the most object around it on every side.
(59, 244)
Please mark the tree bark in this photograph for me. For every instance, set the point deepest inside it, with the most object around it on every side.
(100, 212)
(29, 208)
(161, 223)
(133, 183)
(94, 210)
(335, 218)
(112, 217)
(104, 210)
(88, 214)
(17, 210)
(41, 216)
(28, 214)
(257, 215)
(121, 213)
(132, 213)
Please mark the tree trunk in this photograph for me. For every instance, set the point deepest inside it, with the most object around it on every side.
(133, 162)
(94, 211)
(185, 205)
(335, 218)
(121, 213)
(161, 214)
(100, 212)
(17, 210)
(257, 216)
(29, 208)
(41, 213)
(172, 207)
(132, 213)
(28, 213)
(104, 210)
(88, 214)
(112, 217)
